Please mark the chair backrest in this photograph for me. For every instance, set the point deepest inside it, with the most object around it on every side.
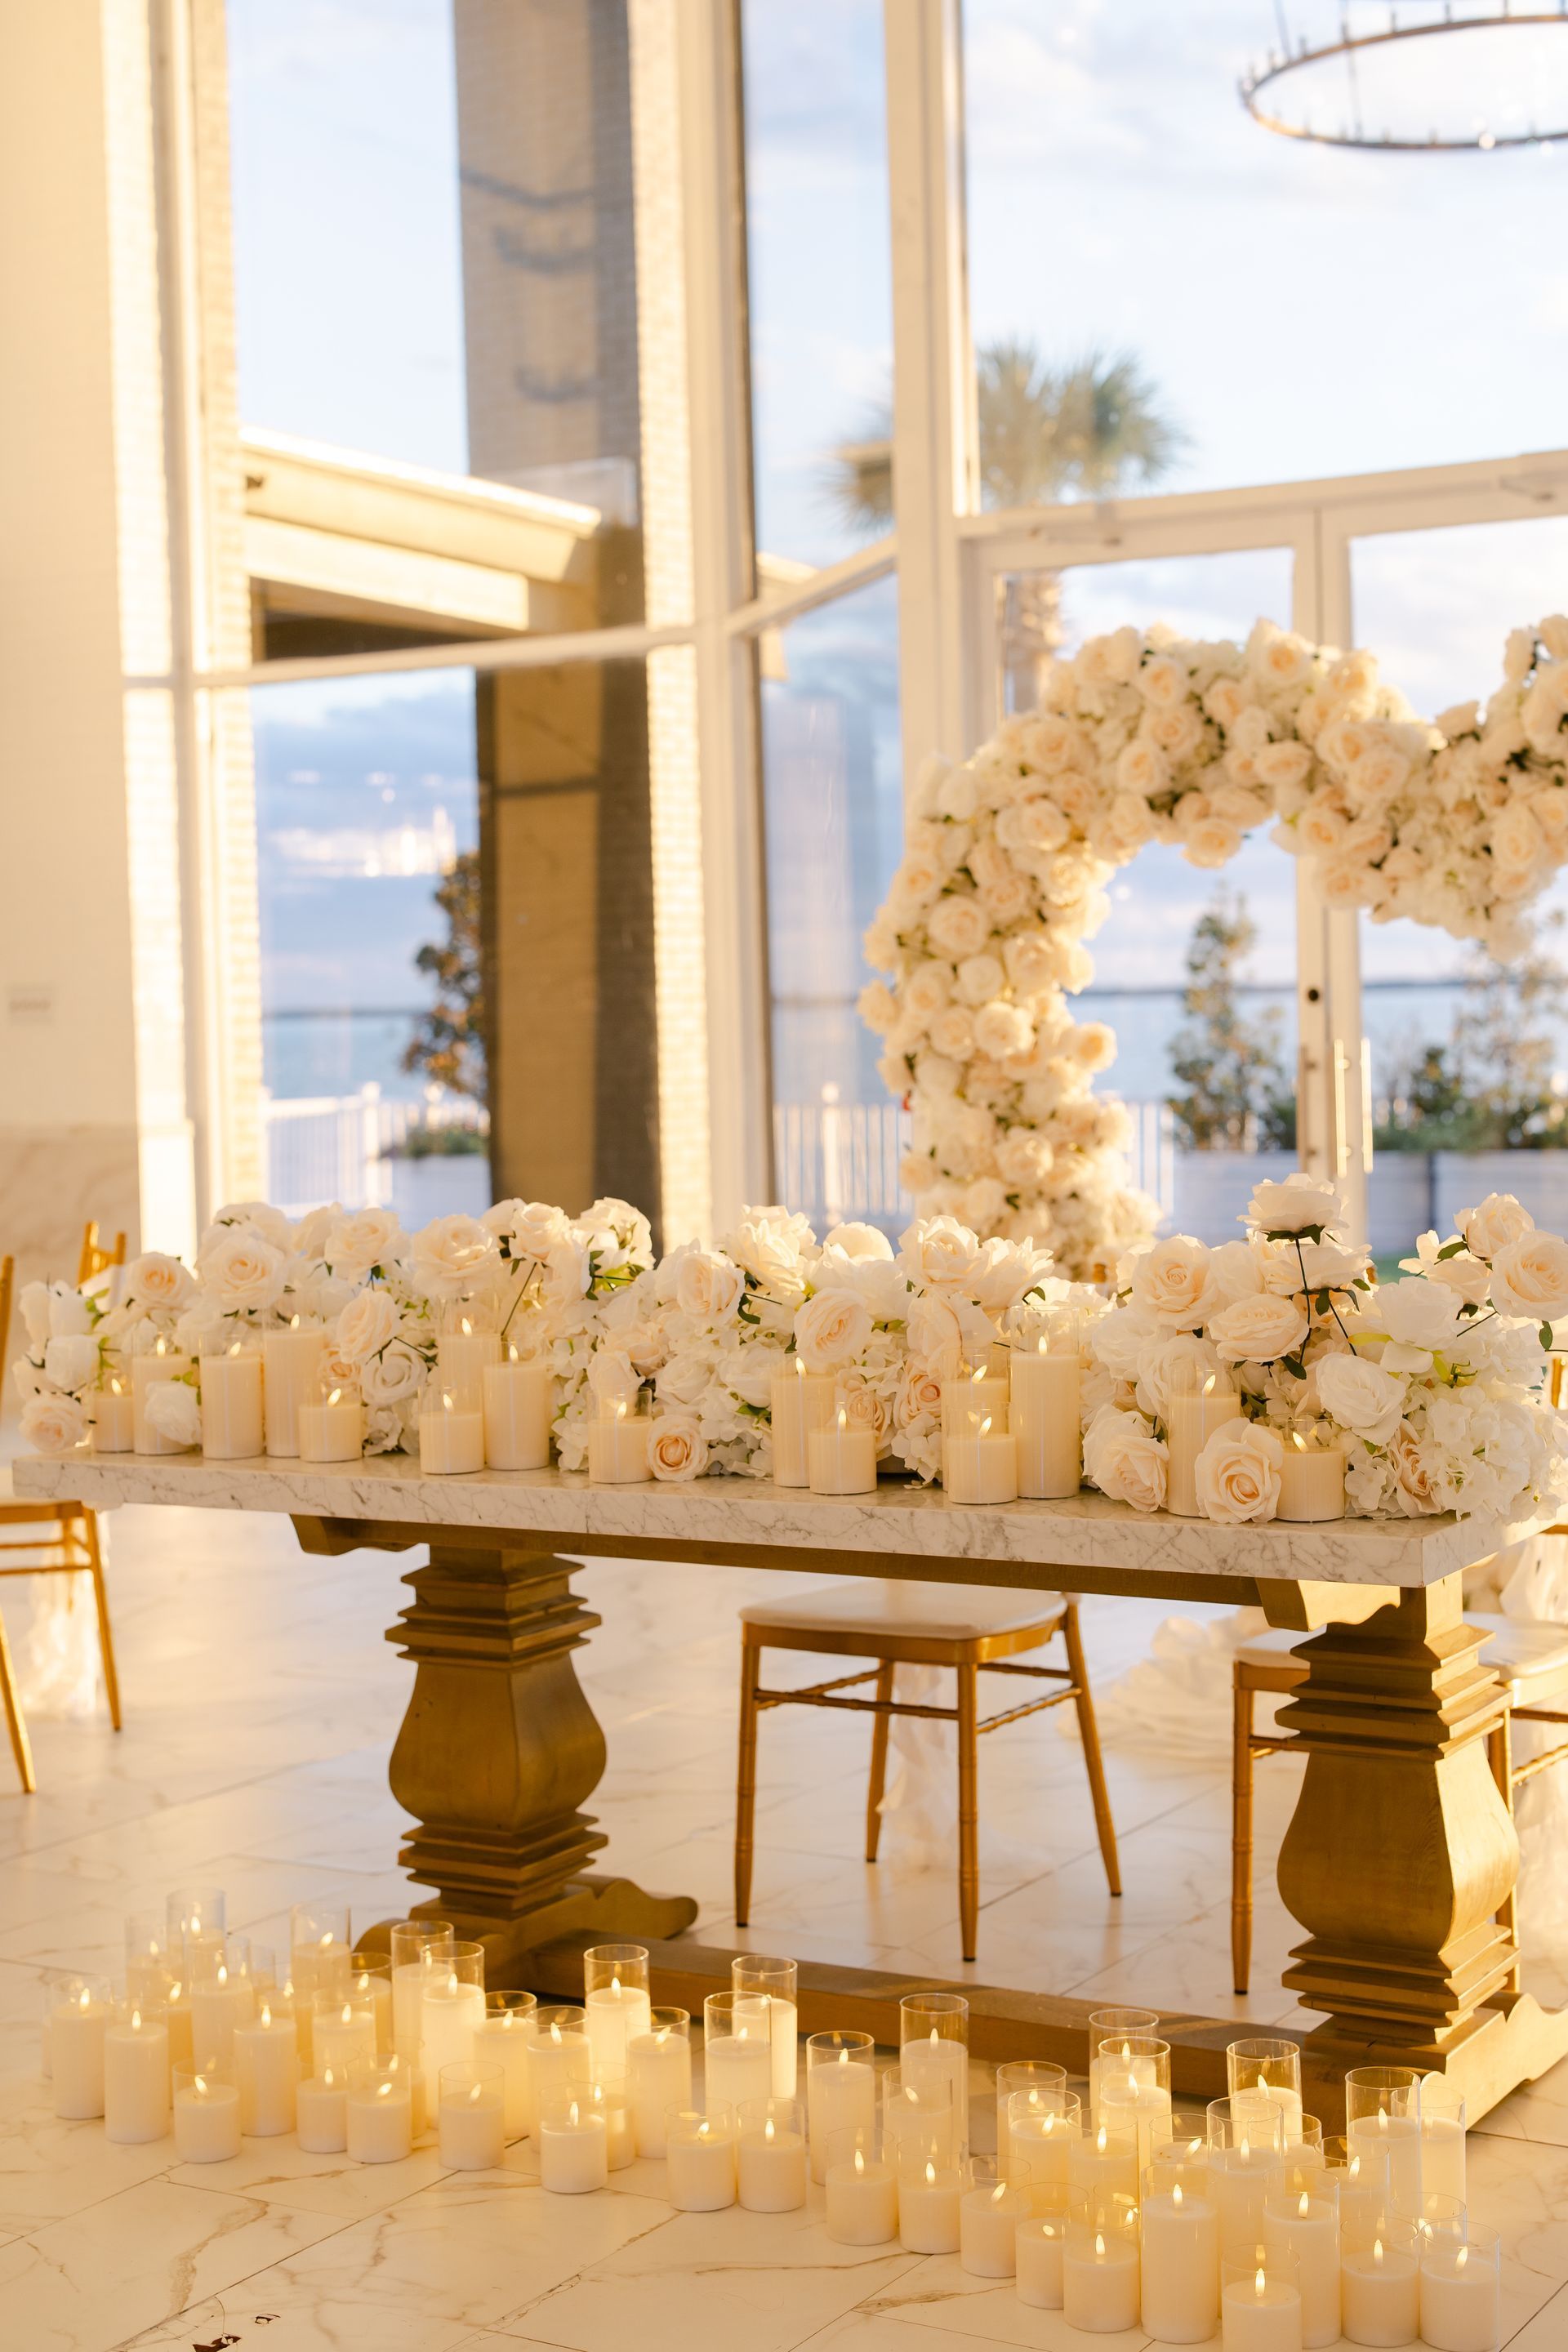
(7, 1283)
(94, 1260)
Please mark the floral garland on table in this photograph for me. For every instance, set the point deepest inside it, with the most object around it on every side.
(1151, 736)
(1431, 1384)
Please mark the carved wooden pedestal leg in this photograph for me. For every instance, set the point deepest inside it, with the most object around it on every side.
(1400, 1852)
(500, 1749)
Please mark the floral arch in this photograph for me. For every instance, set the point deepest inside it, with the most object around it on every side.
(1458, 823)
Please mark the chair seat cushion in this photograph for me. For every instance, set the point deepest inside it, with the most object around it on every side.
(877, 1605)
(1532, 1658)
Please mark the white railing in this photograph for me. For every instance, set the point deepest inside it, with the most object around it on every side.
(837, 1160)
(335, 1147)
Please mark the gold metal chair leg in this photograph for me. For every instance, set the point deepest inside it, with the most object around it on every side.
(968, 1813)
(881, 1727)
(21, 1746)
(1499, 1755)
(1088, 1732)
(1241, 1833)
(100, 1596)
(746, 1777)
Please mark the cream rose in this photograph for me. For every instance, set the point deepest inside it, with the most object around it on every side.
(1258, 1330)
(1238, 1472)
(1416, 1314)
(1360, 1396)
(1500, 1219)
(243, 1273)
(709, 1286)
(862, 1408)
(1142, 768)
(54, 1425)
(174, 1413)
(450, 1254)
(1001, 1029)
(357, 1244)
(366, 1323)
(1169, 1280)
(1413, 1487)
(1301, 1204)
(1213, 842)
(952, 1034)
(831, 1329)
(677, 1449)
(926, 992)
(1529, 1277)
(157, 1283)
(937, 1253)
(1122, 1457)
(71, 1362)
(917, 1399)
(958, 927)
(527, 1227)
(394, 1377)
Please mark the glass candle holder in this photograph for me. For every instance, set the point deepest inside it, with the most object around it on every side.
(503, 2034)
(1034, 2075)
(378, 2111)
(79, 2013)
(471, 2115)
(135, 2076)
(573, 2140)
(267, 2068)
(1441, 2108)
(193, 1912)
(232, 1427)
(1268, 2070)
(1434, 2215)
(558, 2056)
(1302, 2153)
(1042, 1413)
(778, 1981)
(1039, 2250)
(930, 2194)
(1112, 2025)
(737, 2049)
(1304, 2224)
(862, 2191)
(841, 1457)
(1380, 2283)
(519, 1409)
(771, 2156)
(342, 2030)
(800, 1402)
(370, 1979)
(989, 2213)
(222, 1997)
(1135, 2089)
(933, 2038)
(149, 1944)
(451, 2012)
(1246, 2159)
(840, 2091)
(1040, 2138)
(1461, 2293)
(1260, 2303)
(608, 2097)
(618, 1445)
(205, 2112)
(1100, 2262)
(113, 1410)
(451, 1432)
(1383, 2112)
(1185, 2161)
(468, 1344)
(407, 1942)
(922, 2109)
(1104, 2162)
(1179, 2253)
(658, 2076)
(700, 2158)
(290, 1360)
(320, 1947)
(617, 2000)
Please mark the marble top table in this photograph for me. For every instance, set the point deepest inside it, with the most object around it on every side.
(1398, 1857)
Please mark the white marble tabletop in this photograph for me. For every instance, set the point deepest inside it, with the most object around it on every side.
(900, 1520)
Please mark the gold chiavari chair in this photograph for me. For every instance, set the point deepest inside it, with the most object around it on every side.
(62, 1537)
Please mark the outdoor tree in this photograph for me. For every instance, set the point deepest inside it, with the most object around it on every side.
(1492, 1087)
(1236, 1098)
(448, 1040)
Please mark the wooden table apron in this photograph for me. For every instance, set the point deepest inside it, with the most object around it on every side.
(1396, 1861)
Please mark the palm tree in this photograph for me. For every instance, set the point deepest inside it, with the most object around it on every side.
(1090, 427)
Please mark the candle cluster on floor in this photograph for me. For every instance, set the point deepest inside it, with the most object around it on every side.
(1097, 2203)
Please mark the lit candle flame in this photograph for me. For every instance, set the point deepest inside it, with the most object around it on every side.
(445, 1400)
(162, 1348)
(293, 1322)
(1100, 2141)
(114, 1387)
(511, 1354)
(467, 1329)
(554, 2030)
(843, 1426)
(135, 2021)
(223, 1972)
(267, 2012)
(844, 2057)
(800, 1368)
(1298, 1440)
(84, 1998)
(1377, 2251)
(328, 2077)
(1461, 2258)
(1176, 2197)
(348, 2017)
(452, 1980)
(476, 2092)
(383, 2090)
(335, 1397)
(930, 2174)
(702, 2129)
(200, 2086)
(859, 2162)
(1208, 1385)
(768, 2133)
(1099, 2247)
(1259, 2283)
(1305, 2207)
(235, 1349)
(998, 2192)
(985, 1428)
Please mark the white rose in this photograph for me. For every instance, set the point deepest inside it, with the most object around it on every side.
(1500, 1219)
(1001, 1029)
(54, 1425)
(1004, 1273)
(1122, 1457)
(1170, 1280)
(528, 1227)
(1416, 1314)
(958, 927)
(831, 1328)
(1283, 766)
(33, 1301)
(709, 1286)
(937, 1253)
(71, 1362)
(917, 1399)
(1301, 1204)
(1238, 1472)
(767, 1245)
(450, 1254)
(394, 1377)
(1277, 657)
(1258, 1330)
(1360, 1396)
(356, 1245)
(155, 1282)
(1159, 1361)
(1213, 842)
(243, 1273)
(1529, 1277)
(1143, 768)
(1414, 1488)
(926, 992)
(174, 1413)
(856, 1241)
(1024, 1158)
(366, 1323)
(677, 1449)
(952, 1034)
(935, 1332)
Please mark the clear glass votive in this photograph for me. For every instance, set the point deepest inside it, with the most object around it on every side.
(778, 1981)
(700, 2158)
(1104, 2162)
(1135, 2089)
(922, 2108)
(1303, 2223)
(370, 1979)
(737, 2048)
(407, 1941)
(608, 2097)
(658, 2076)
(451, 2011)
(1380, 2283)
(1039, 2248)
(1461, 2293)
(1302, 2153)
(342, 2030)
(1441, 2108)
(504, 2034)
(1261, 2303)
(1036, 2076)
(206, 2115)
(771, 2156)
(930, 2193)
(574, 2140)
(379, 2111)
(1267, 2068)
(1434, 2215)
(320, 2106)
(840, 2090)
(861, 2187)
(1179, 2254)
(933, 2038)
(1246, 2159)
(316, 1929)
(1038, 2138)
(559, 2058)
(470, 2116)
(615, 1998)
(222, 1996)
(1383, 2112)
(193, 1914)
(989, 2214)
(149, 1944)
(1100, 2262)
(1107, 2025)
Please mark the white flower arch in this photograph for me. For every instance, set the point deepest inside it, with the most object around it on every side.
(1458, 823)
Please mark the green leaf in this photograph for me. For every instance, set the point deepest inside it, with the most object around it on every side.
(1323, 1302)
(1545, 1336)
(1450, 1249)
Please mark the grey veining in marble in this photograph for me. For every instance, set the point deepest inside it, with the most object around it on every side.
(1085, 1532)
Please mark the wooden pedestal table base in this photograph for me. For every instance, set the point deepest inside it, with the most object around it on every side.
(499, 1749)
(1399, 1854)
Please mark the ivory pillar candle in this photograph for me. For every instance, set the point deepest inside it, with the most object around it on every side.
(841, 1460)
(618, 1447)
(219, 2003)
(1397, 2138)
(76, 2028)
(1461, 2292)
(451, 2012)
(267, 2072)
(177, 2025)
(737, 2049)
(520, 1403)
(658, 2077)
(933, 2030)
(451, 1436)
(463, 1357)
(770, 2156)
(378, 2115)
(699, 2161)
(1141, 2108)
(973, 1397)
(135, 2079)
(147, 1373)
(1041, 2140)
(205, 2118)
(291, 1362)
(988, 2220)
(800, 1402)
(840, 2093)
(502, 2036)
(980, 1467)
(1043, 1414)
(1260, 2314)
(1380, 2294)
(1443, 2156)
(1038, 2246)
(558, 2056)
(370, 1979)
(1312, 1481)
(344, 2030)
(470, 2119)
(574, 2147)
(1240, 2178)
(778, 1981)
(333, 1429)
(928, 2208)
(862, 2201)
(1308, 2229)
(1100, 2281)
(1180, 2265)
(1104, 2163)
(1192, 1417)
(615, 2012)
(320, 2114)
(231, 1404)
(113, 1417)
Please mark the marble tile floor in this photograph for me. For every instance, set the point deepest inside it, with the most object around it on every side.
(261, 1700)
